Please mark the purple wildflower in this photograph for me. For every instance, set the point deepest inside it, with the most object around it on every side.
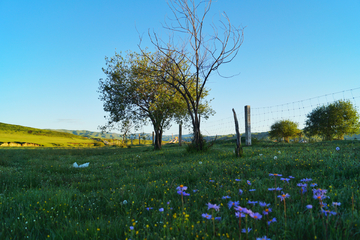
(240, 191)
(247, 211)
(181, 188)
(266, 211)
(244, 230)
(183, 193)
(131, 228)
(205, 215)
(257, 216)
(195, 190)
(248, 182)
(233, 204)
(326, 212)
(263, 238)
(149, 208)
(319, 194)
(285, 179)
(336, 204)
(271, 221)
(252, 190)
(239, 214)
(306, 180)
(218, 218)
(161, 209)
(264, 204)
(214, 206)
(211, 180)
(239, 209)
(225, 197)
(252, 202)
(275, 175)
(309, 206)
(291, 177)
(283, 196)
(238, 180)
(313, 184)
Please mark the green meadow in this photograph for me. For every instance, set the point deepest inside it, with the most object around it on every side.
(45, 138)
(133, 193)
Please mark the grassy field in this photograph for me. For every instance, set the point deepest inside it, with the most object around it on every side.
(46, 138)
(50, 138)
(132, 193)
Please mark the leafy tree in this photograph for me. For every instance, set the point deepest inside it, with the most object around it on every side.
(203, 54)
(133, 94)
(284, 129)
(333, 120)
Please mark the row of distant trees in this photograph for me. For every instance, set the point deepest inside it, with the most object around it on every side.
(332, 121)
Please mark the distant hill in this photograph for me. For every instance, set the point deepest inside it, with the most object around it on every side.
(89, 134)
(27, 136)
(148, 136)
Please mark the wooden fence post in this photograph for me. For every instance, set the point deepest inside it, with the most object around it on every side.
(238, 149)
(247, 126)
(180, 138)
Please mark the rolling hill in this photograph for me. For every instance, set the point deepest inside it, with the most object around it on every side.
(16, 135)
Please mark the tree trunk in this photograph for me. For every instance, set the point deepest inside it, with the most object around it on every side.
(197, 141)
(158, 139)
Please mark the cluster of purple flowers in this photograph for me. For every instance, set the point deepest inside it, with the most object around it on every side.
(211, 206)
(241, 211)
(319, 194)
(181, 190)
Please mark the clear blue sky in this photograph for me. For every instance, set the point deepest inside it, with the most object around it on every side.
(52, 52)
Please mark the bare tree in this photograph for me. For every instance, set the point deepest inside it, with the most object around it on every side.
(202, 52)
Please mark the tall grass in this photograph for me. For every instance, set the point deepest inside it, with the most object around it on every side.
(43, 196)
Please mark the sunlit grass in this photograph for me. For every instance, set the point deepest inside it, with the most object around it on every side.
(42, 196)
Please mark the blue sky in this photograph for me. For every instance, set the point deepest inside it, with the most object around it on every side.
(52, 52)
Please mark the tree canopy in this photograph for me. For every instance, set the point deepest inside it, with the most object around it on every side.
(132, 94)
(284, 129)
(333, 120)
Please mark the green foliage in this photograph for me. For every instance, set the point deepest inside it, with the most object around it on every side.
(333, 121)
(99, 144)
(284, 129)
(133, 94)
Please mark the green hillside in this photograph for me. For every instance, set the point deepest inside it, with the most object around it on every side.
(10, 133)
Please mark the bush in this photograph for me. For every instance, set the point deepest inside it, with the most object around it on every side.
(205, 146)
(99, 144)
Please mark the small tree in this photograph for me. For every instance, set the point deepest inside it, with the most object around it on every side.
(203, 53)
(133, 93)
(333, 121)
(284, 129)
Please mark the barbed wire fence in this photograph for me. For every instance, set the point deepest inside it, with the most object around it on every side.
(263, 117)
